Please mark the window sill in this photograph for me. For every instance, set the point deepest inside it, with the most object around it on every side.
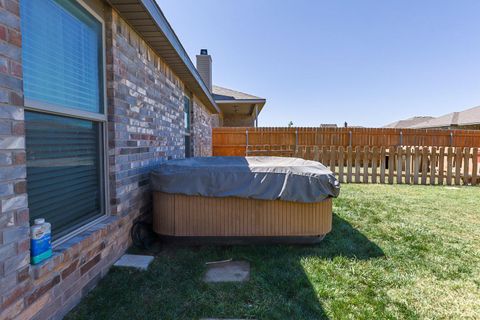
(77, 231)
(68, 249)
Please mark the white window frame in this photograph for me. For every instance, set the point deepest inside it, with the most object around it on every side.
(100, 118)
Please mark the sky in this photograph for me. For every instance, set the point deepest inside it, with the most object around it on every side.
(366, 62)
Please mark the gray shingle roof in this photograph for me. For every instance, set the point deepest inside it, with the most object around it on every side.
(220, 93)
(463, 118)
(408, 123)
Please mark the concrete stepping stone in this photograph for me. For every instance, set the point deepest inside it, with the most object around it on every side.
(228, 271)
(134, 261)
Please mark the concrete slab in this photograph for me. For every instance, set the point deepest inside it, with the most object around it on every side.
(229, 271)
(134, 261)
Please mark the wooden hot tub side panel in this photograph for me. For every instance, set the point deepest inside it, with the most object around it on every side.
(180, 215)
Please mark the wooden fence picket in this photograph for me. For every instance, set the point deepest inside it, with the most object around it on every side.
(449, 166)
(401, 165)
(357, 164)
(416, 165)
(341, 163)
(433, 165)
(391, 164)
(308, 153)
(333, 159)
(383, 160)
(441, 165)
(466, 165)
(424, 165)
(298, 152)
(374, 164)
(325, 156)
(408, 162)
(475, 161)
(365, 163)
(349, 164)
(316, 156)
(458, 166)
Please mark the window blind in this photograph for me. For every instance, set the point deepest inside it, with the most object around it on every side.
(63, 170)
(62, 57)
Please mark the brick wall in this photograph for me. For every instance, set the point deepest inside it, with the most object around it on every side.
(145, 127)
(145, 110)
(217, 120)
(49, 290)
(146, 120)
(202, 124)
(14, 238)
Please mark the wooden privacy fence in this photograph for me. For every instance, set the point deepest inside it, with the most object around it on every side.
(401, 165)
(235, 141)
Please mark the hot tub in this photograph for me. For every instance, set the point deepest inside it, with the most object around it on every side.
(238, 199)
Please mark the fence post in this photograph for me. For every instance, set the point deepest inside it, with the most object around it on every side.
(296, 138)
(349, 164)
(246, 147)
(451, 139)
(401, 138)
(350, 138)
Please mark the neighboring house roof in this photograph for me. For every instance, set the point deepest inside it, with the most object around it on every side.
(463, 118)
(220, 93)
(146, 18)
(236, 102)
(407, 123)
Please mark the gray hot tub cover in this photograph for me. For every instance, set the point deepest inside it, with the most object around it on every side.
(269, 178)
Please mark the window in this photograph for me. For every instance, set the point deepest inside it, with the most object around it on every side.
(62, 54)
(63, 69)
(63, 169)
(187, 120)
(186, 113)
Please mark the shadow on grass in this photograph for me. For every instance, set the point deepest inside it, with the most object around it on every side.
(279, 287)
(280, 273)
(347, 241)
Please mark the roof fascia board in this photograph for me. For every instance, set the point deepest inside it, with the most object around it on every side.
(152, 8)
(158, 16)
(238, 101)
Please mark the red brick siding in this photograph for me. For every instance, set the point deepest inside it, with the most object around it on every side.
(14, 238)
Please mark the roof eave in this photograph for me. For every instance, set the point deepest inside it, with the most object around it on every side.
(241, 101)
(165, 43)
(259, 102)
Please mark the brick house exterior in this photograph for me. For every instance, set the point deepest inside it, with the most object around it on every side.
(145, 126)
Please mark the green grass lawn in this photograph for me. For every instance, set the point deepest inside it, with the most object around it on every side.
(395, 252)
